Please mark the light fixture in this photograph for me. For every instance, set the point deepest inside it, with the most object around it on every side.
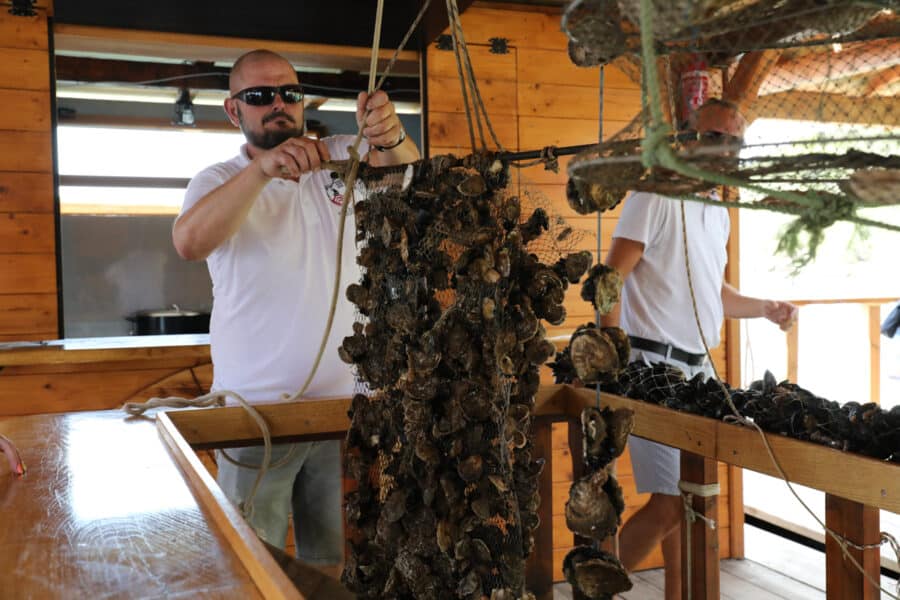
(184, 110)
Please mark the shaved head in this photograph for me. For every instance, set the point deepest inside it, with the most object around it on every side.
(247, 63)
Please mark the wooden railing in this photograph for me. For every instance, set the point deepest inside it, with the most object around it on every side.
(873, 307)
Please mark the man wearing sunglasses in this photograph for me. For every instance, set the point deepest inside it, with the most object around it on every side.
(267, 224)
(656, 310)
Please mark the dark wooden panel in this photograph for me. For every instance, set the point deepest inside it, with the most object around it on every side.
(22, 314)
(23, 32)
(537, 132)
(553, 67)
(26, 192)
(25, 110)
(26, 151)
(24, 69)
(27, 233)
(27, 274)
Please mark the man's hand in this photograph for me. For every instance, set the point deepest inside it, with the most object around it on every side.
(378, 119)
(783, 314)
(292, 158)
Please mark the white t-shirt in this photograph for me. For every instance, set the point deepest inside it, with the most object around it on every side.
(272, 283)
(656, 300)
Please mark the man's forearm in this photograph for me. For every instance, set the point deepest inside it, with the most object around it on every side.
(737, 306)
(218, 215)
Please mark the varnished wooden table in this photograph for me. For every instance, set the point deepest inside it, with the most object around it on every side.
(104, 512)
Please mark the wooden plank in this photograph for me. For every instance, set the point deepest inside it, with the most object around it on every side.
(699, 541)
(858, 524)
(499, 96)
(449, 130)
(27, 313)
(29, 151)
(27, 233)
(26, 192)
(25, 69)
(537, 132)
(121, 348)
(265, 572)
(33, 336)
(539, 567)
(209, 48)
(553, 67)
(874, 353)
(792, 339)
(57, 393)
(736, 511)
(540, 99)
(486, 65)
(852, 476)
(835, 108)
(28, 273)
(521, 28)
(67, 541)
(175, 363)
(23, 32)
(25, 110)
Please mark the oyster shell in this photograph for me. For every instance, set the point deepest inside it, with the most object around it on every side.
(602, 288)
(595, 573)
(592, 511)
(594, 356)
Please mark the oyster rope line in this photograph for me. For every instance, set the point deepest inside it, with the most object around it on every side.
(738, 418)
(218, 398)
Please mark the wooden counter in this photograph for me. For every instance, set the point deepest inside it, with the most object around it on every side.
(100, 373)
(103, 511)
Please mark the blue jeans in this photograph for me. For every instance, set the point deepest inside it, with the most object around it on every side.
(308, 485)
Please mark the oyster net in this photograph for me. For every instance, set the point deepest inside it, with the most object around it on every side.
(821, 61)
(448, 348)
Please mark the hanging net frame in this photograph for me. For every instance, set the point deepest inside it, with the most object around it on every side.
(819, 61)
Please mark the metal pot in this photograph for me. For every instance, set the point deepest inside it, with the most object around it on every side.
(169, 321)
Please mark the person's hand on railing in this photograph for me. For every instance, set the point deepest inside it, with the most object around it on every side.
(783, 314)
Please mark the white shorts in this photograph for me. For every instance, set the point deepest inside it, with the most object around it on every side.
(657, 467)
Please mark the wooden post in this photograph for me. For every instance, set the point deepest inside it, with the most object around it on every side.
(539, 568)
(793, 351)
(874, 352)
(859, 524)
(701, 582)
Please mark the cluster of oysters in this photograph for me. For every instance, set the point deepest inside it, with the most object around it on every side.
(779, 407)
(446, 500)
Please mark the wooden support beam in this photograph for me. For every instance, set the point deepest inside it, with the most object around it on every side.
(699, 541)
(874, 311)
(106, 41)
(539, 568)
(859, 524)
(793, 350)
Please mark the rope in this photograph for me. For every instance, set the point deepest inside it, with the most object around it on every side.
(688, 491)
(738, 418)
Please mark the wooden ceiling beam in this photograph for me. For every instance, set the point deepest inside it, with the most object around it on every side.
(333, 85)
(880, 81)
(825, 64)
(105, 42)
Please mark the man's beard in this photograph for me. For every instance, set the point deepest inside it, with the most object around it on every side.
(269, 138)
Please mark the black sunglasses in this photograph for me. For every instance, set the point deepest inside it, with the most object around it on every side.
(264, 95)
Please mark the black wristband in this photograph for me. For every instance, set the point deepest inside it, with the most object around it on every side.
(399, 141)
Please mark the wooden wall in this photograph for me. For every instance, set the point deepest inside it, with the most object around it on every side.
(28, 300)
(536, 97)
